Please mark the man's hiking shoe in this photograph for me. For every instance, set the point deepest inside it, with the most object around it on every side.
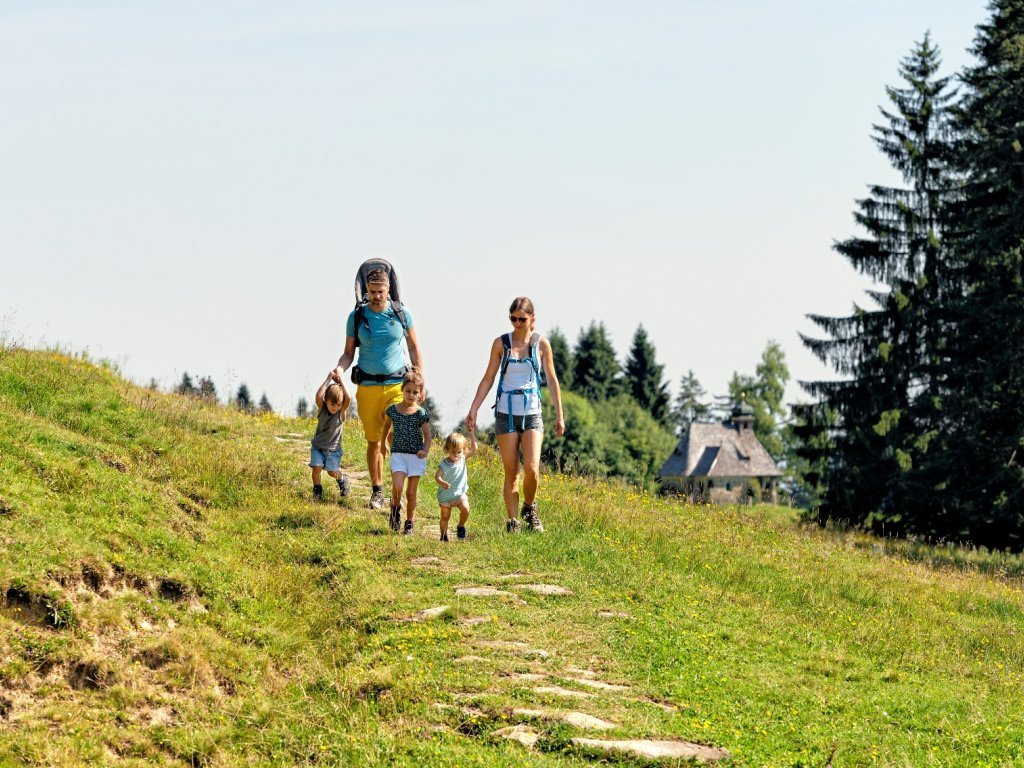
(444, 537)
(513, 525)
(408, 528)
(460, 532)
(377, 500)
(533, 523)
(318, 493)
(395, 519)
(343, 486)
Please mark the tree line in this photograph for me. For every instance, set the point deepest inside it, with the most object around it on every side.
(924, 432)
(205, 389)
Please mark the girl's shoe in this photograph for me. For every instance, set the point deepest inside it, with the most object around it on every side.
(408, 528)
(395, 519)
(513, 525)
(460, 532)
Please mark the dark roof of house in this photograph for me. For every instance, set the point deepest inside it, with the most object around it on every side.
(719, 450)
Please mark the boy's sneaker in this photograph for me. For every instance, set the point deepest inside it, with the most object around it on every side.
(343, 486)
(460, 532)
(395, 519)
(513, 525)
(377, 500)
(444, 537)
(529, 514)
(318, 493)
(407, 530)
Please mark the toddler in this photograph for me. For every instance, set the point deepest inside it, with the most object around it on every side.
(453, 482)
(332, 402)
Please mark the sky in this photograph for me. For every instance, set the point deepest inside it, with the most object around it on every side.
(191, 186)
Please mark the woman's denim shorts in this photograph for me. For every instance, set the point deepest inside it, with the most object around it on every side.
(520, 424)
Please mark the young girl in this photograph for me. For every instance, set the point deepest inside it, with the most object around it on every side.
(453, 483)
(409, 447)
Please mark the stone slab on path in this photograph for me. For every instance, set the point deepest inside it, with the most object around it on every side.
(426, 562)
(557, 690)
(654, 749)
(590, 682)
(428, 613)
(488, 592)
(523, 734)
(545, 589)
(515, 647)
(580, 720)
(472, 621)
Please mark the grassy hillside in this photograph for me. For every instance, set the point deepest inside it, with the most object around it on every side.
(170, 596)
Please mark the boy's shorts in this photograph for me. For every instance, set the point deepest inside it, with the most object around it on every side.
(329, 460)
(409, 463)
(371, 402)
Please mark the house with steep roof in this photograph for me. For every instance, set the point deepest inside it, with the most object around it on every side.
(724, 463)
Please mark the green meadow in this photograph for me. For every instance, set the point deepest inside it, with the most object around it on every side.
(170, 595)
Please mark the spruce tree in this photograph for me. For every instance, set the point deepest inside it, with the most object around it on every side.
(243, 400)
(691, 404)
(885, 411)
(561, 356)
(185, 386)
(207, 389)
(302, 409)
(435, 417)
(264, 405)
(980, 464)
(596, 371)
(645, 378)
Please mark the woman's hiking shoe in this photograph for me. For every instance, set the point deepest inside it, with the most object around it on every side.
(460, 532)
(395, 519)
(513, 525)
(529, 514)
(343, 486)
(377, 500)
(408, 528)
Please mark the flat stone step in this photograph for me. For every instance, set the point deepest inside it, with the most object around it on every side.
(523, 734)
(557, 690)
(654, 749)
(545, 589)
(429, 613)
(580, 720)
(599, 685)
(515, 647)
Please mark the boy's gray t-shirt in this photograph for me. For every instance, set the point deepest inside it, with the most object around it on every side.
(328, 430)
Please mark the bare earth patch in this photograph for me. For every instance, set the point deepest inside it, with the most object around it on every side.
(606, 614)
(426, 562)
(515, 647)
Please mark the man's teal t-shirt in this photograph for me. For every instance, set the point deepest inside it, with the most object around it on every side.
(380, 345)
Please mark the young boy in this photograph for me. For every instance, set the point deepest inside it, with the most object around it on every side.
(332, 403)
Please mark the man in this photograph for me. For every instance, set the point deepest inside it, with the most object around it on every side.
(380, 369)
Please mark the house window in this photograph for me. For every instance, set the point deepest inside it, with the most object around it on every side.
(728, 486)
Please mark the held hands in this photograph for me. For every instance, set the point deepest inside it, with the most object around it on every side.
(421, 454)
(471, 422)
(336, 374)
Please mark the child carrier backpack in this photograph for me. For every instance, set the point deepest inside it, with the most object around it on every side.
(539, 377)
(360, 319)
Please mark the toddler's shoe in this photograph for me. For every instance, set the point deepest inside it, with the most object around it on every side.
(460, 532)
(513, 525)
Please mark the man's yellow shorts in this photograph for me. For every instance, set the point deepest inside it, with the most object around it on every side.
(371, 402)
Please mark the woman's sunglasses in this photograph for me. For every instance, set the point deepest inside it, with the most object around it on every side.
(518, 320)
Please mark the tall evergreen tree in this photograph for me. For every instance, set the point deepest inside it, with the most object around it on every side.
(645, 378)
(185, 386)
(691, 404)
(764, 393)
(243, 400)
(264, 405)
(596, 371)
(561, 356)
(883, 413)
(302, 408)
(435, 417)
(980, 465)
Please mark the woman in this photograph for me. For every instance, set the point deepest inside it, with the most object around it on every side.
(518, 359)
